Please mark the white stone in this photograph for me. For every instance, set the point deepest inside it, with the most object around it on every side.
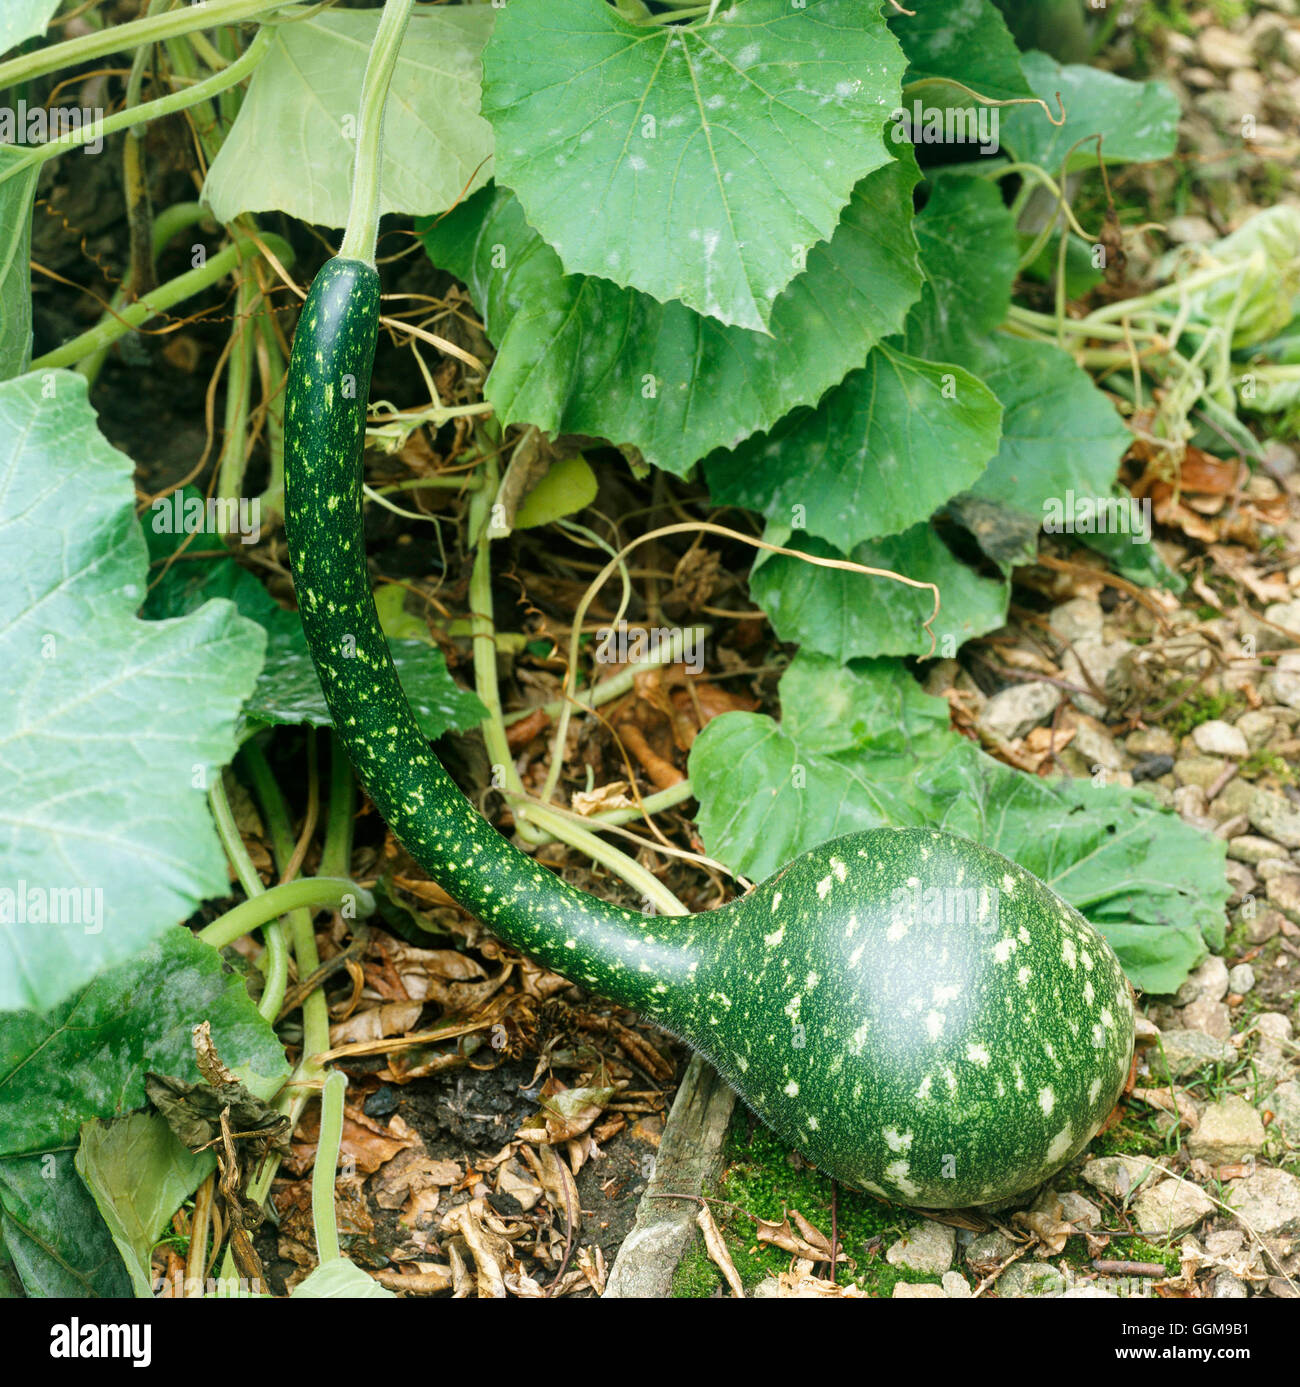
(1219, 738)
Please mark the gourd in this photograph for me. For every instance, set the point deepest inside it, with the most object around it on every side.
(918, 1014)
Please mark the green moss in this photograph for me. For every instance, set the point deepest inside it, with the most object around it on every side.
(1197, 707)
(1126, 1138)
(1261, 763)
(760, 1178)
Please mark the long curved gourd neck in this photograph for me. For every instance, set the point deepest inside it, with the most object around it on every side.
(632, 958)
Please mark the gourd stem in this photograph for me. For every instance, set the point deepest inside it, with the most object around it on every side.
(363, 217)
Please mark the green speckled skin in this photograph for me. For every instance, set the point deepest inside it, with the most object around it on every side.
(918, 1014)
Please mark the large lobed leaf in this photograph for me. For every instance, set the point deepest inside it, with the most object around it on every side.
(112, 726)
(694, 163)
(580, 355)
(862, 746)
(882, 450)
(293, 144)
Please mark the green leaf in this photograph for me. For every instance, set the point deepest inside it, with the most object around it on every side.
(307, 92)
(568, 487)
(694, 163)
(16, 196)
(1137, 120)
(86, 1059)
(288, 690)
(138, 1175)
(59, 1244)
(968, 256)
(966, 41)
(862, 746)
(883, 449)
(340, 1279)
(850, 616)
(24, 19)
(1059, 432)
(112, 725)
(580, 355)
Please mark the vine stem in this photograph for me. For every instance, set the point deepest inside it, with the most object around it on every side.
(119, 37)
(151, 110)
(362, 232)
(278, 900)
(560, 826)
(108, 330)
(323, 1216)
(275, 961)
(336, 854)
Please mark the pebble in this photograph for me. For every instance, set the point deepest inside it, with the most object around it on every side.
(987, 1249)
(1189, 802)
(1268, 1200)
(1201, 771)
(1286, 615)
(1229, 1287)
(1187, 1051)
(1284, 891)
(1272, 1025)
(1261, 925)
(1174, 1207)
(1219, 738)
(907, 1290)
(926, 1247)
(1099, 658)
(1223, 50)
(1032, 1279)
(955, 1285)
(1284, 1104)
(1209, 981)
(1241, 879)
(1189, 230)
(1151, 741)
(1080, 1211)
(1078, 619)
(1116, 1176)
(1253, 849)
(1097, 747)
(1153, 767)
(1211, 1018)
(1230, 1130)
(1241, 979)
(1275, 817)
(1285, 679)
(1014, 711)
(1256, 726)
